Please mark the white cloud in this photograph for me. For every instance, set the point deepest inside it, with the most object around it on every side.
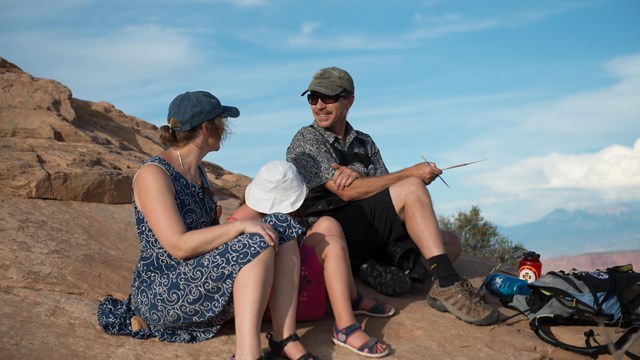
(434, 26)
(133, 58)
(581, 163)
(614, 167)
(423, 27)
(147, 48)
(304, 38)
(429, 27)
(247, 3)
(626, 67)
(595, 112)
(578, 122)
(566, 180)
(307, 37)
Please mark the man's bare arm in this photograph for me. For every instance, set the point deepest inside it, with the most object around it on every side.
(363, 187)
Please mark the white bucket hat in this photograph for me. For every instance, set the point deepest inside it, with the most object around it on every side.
(276, 188)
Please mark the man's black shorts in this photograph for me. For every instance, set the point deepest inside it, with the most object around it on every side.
(370, 225)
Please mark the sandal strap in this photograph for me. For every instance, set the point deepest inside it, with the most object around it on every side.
(369, 345)
(378, 309)
(291, 338)
(308, 356)
(343, 335)
(355, 303)
(277, 347)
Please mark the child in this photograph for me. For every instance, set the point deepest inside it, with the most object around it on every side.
(278, 188)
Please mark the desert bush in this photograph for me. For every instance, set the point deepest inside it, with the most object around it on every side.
(480, 237)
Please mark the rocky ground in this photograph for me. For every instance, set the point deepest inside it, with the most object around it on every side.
(67, 239)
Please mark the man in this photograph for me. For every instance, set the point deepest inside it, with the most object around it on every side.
(348, 180)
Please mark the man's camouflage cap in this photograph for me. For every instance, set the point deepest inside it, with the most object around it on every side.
(330, 81)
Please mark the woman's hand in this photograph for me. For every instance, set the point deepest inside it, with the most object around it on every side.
(266, 230)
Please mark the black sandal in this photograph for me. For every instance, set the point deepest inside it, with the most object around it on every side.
(233, 357)
(276, 348)
(387, 280)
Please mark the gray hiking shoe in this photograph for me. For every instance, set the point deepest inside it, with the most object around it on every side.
(387, 280)
(463, 301)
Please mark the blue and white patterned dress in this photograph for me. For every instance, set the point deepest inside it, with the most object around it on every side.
(186, 300)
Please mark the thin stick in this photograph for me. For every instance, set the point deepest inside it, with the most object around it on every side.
(425, 160)
(459, 165)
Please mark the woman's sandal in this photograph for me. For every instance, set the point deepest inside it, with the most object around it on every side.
(377, 310)
(233, 357)
(277, 347)
(340, 337)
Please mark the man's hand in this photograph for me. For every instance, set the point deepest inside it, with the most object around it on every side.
(426, 171)
(344, 176)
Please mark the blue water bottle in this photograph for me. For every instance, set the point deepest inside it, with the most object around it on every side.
(501, 285)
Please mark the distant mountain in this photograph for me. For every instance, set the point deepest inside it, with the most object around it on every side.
(592, 261)
(563, 233)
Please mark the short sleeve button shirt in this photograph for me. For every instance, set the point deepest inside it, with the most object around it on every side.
(311, 151)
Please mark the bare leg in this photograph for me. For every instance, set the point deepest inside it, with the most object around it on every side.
(250, 294)
(328, 241)
(413, 205)
(284, 297)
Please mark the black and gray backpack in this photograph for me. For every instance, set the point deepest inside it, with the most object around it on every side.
(609, 297)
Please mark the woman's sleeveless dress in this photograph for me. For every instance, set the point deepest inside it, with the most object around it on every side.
(186, 301)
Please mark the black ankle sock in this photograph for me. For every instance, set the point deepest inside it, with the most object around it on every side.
(440, 266)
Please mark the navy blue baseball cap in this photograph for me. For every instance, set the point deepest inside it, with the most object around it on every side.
(195, 107)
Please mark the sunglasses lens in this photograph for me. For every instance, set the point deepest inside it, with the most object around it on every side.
(330, 99)
(327, 99)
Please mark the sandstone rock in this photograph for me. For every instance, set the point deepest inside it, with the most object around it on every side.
(62, 148)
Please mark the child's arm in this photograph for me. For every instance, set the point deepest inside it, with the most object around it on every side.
(245, 212)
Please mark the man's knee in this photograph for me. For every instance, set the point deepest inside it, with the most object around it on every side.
(412, 184)
(409, 188)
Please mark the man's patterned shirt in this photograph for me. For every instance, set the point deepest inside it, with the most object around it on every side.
(311, 151)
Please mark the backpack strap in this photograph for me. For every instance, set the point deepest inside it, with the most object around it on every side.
(610, 291)
(595, 307)
(541, 327)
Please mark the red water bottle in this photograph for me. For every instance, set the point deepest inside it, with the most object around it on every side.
(530, 267)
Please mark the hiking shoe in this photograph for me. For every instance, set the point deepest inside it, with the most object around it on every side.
(387, 280)
(463, 301)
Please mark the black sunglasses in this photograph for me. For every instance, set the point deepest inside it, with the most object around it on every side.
(326, 99)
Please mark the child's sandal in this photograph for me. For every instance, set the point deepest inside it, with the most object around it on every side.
(368, 349)
(377, 310)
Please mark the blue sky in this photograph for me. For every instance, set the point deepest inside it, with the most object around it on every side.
(547, 91)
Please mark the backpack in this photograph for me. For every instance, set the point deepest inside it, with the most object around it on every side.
(312, 293)
(608, 297)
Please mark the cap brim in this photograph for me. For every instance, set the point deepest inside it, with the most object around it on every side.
(230, 111)
(325, 89)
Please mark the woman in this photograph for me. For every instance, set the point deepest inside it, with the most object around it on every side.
(278, 188)
(193, 273)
